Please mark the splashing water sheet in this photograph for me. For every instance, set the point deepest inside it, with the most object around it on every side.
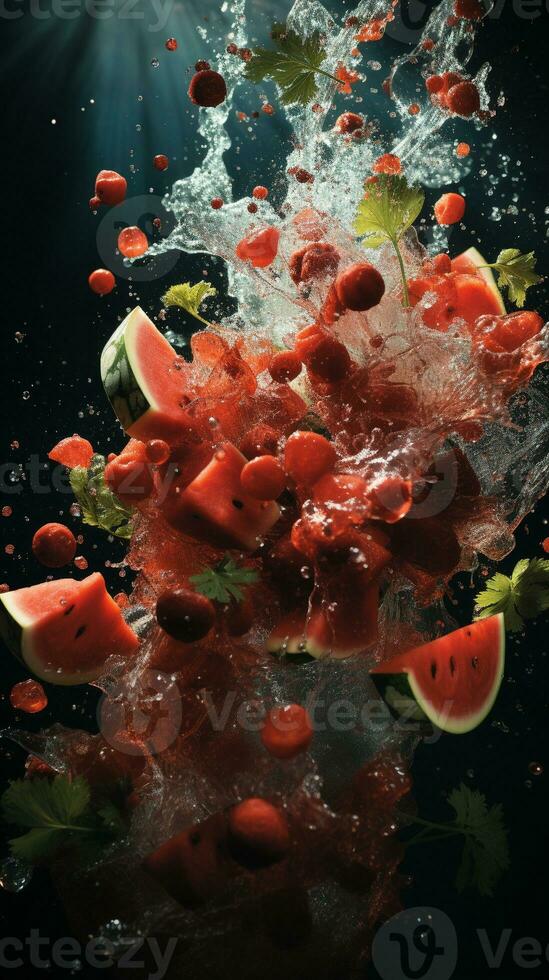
(296, 496)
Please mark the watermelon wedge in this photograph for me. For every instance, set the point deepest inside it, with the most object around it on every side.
(145, 380)
(65, 631)
(473, 263)
(337, 630)
(452, 681)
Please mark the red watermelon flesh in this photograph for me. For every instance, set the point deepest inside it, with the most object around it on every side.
(453, 681)
(65, 631)
(146, 381)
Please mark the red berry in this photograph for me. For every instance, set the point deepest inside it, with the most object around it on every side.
(267, 109)
(232, 49)
(469, 9)
(207, 88)
(263, 478)
(132, 242)
(161, 162)
(258, 833)
(110, 187)
(260, 247)
(308, 456)
(349, 122)
(313, 261)
(463, 99)
(329, 360)
(428, 44)
(387, 164)
(216, 203)
(101, 281)
(202, 66)
(171, 44)
(157, 451)
(95, 203)
(414, 109)
(434, 84)
(252, 208)
(284, 367)
(261, 440)
(463, 150)
(184, 615)
(287, 731)
(449, 209)
(360, 287)
(303, 176)
(28, 696)
(260, 192)
(245, 54)
(54, 545)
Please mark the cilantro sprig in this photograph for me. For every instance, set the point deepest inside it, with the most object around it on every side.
(388, 209)
(58, 813)
(189, 297)
(99, 506)
(293, 65)
(522, 595)
(225, 581)
(485, 854)
(516, 273)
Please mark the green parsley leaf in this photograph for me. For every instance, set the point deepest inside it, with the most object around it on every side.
(100, 507)
(486, 851)
(293, 65)
(58, 813)
(516, 272)
(523, 595)
(388, 209)
(225, 581)
(485, 854)
(189, 297)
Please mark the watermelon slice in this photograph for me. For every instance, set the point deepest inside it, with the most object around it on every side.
(64, 631)
(335, 630)
(145, 381)
(473, 263)
(452, 681)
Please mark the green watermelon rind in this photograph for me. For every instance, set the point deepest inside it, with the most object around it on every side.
(126, 394)
(482, 268)
(406, 685)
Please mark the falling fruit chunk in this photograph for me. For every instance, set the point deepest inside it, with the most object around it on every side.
(28, 696)
(132, 242)
(452, 681)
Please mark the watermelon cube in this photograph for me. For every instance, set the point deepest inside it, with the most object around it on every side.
(213, 508)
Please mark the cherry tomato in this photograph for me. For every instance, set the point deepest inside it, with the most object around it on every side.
(287, 731)
(260, 192)
(263, 478)
(207, 88)
(110, 187)
(308, 456)
(161, 162)
(54, 545)
(101, 281)
(132, 242)
(184, 615)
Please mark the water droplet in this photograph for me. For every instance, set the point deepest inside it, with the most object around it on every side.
(14, 875)
(155, 63)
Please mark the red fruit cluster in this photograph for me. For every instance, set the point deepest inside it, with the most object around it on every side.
(313, 261)
(349, 122)
(129, 475)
